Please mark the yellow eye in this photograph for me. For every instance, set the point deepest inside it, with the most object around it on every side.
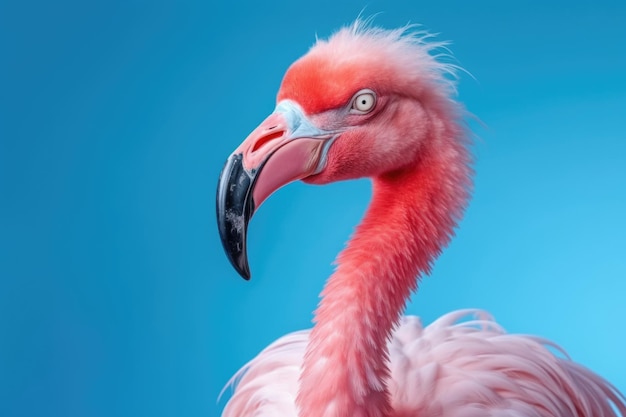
(364, 101)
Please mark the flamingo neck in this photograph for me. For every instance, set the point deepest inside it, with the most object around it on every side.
(410, 219)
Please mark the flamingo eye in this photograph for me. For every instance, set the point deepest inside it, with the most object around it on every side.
(363, 102)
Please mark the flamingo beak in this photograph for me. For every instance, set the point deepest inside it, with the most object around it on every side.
(284, 148)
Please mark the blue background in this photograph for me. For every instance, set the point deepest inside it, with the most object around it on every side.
(116, 117)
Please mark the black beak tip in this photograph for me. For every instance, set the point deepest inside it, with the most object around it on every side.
(235, 207)
(237, 255)
(241, 266)
(235, 248)
(245, 273)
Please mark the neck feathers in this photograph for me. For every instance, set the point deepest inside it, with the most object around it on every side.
(411, 218)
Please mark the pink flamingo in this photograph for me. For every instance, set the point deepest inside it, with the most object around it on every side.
(376, 103)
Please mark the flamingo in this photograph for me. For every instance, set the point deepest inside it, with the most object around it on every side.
(370, 102)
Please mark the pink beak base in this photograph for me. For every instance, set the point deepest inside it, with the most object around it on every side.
(276, 158)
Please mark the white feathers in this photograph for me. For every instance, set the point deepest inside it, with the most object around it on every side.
(412, 48)
(450, 368)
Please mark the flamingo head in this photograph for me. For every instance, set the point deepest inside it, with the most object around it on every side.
(360, 104)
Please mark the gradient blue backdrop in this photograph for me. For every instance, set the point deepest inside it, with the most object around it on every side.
(115, 119)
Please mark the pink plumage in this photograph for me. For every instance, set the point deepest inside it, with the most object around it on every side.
(453, 367)
(375, 103)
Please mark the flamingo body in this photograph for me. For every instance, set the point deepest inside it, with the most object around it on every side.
(451, 368)
(375, 103)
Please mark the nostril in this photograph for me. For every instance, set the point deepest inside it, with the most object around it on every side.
(265, 139)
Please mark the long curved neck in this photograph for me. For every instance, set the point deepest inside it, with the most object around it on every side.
(411, 218)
